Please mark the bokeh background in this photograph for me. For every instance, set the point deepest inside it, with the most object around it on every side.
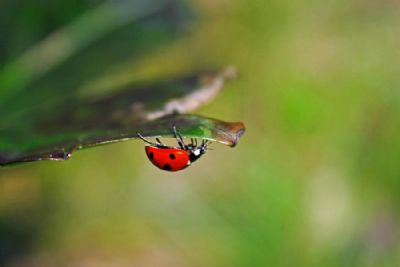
(315, 181)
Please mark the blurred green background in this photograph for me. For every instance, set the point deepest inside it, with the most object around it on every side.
(315, 181)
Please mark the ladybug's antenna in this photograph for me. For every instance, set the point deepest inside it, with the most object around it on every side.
(205, 143)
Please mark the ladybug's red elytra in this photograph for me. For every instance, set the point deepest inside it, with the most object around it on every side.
(174, 158)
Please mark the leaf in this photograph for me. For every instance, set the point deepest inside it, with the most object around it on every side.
(194, 126)
(56, 131)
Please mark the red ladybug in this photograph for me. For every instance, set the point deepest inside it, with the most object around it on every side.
(173, 158)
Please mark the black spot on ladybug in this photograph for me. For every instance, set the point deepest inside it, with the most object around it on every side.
(167, 167)
(151, 155)
(172, 156)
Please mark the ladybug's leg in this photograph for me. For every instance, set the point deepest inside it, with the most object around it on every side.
(179, 138)
(159, 141)
(147, 141)
(194, 142)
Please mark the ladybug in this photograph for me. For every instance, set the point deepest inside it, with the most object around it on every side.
(174, 158)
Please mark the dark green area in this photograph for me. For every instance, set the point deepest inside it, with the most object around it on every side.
(46, 116)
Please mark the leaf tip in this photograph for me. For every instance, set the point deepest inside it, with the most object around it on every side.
(230, 133)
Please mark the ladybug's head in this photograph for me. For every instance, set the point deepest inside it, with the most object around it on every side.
(197, 151)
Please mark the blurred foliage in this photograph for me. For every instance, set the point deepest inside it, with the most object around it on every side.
(315, 181)
(41, 122)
